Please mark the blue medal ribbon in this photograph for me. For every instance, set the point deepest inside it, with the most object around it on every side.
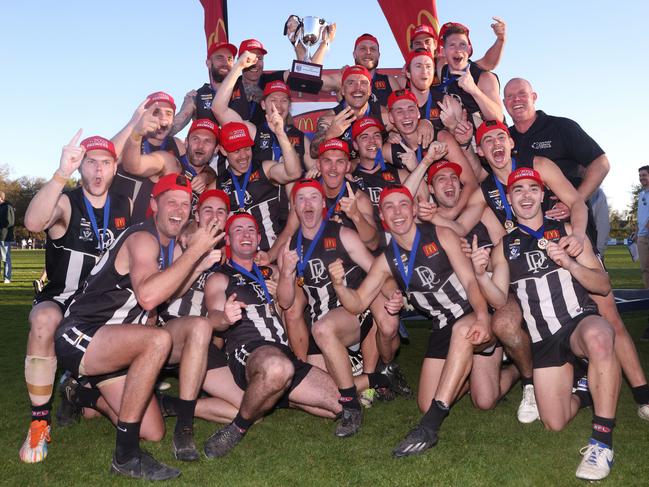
(503, 198)
(379, 160)
(330, 210)
(411, 259)
(537, 234)
(429, 105)
(277, 150)
(170, 253)
(302, 260)
(184, 162)
(147, 148)
(347, 135)
(419, 153)
(93, 220)
(258, 278)
(241, 191)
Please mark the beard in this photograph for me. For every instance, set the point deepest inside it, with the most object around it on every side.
(217, 77)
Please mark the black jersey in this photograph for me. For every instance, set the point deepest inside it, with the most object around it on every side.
(108, 297)
(397, 149)
(381, 88)
(373, 110)
(320, 293)
(70, 258)
(242, 103)
(430, 110)
(203, 102)
(259, 319)
(548, 294)
(262, 200)
(451, 87)
(192, 303)
(434, 289)
(480, 230)
(267, 147)
(337, 209)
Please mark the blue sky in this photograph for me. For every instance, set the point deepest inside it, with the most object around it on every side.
(87, 64)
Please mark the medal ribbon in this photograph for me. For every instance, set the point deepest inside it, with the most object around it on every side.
(258, 278)
(170, 253)
(301, 263)
(93, 220)
(241, 192)
(537, 234)
(147, 148)
(378, 159)
(411, 259)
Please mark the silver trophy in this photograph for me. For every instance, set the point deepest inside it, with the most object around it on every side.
(309, 34)
(305, 76)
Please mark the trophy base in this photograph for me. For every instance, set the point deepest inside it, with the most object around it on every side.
(305, 77)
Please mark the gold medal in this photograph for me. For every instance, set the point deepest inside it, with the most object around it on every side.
(542, 243)
(300, 281)
(509, 225)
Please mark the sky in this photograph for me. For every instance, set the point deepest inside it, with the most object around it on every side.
(80, 64)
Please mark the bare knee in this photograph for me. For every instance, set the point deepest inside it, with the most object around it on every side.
(277, 372)
(200, 331)
(160, 342)
(599, 342)
(43, 323)
(322, 333)
(484, 402)
(152, 432)
(388, 326)
(554, 424)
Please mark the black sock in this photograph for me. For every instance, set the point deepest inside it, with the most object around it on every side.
(641, 394)
(185, 413)
(526, 381)
(349, 398)
(377, 380)
(603, 430)
(86, 397)
(242, 423)
(42, 412)
(585, 399)
(435, 415)
(127, 441)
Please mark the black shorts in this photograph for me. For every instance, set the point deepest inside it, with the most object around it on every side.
(42, 298)
(237, 363)
(216, 358)
(440, 340)
(555, 350)
(365, 319)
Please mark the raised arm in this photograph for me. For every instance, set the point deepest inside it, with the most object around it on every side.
(185, 114)
(290, 168)
(358, 300)
(495, 288)
(220, 109)
(119, 139)
(222, 311)
(358, 207)
(492, 57)
(485, 94)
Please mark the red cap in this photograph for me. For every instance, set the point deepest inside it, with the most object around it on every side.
(99, 143)
(240, 214)
(214, 193)
(275, 87)
(173, 181)
(205, 124)
(488, 126)
(395, 188)
(444, 29)
(426, 30)
(419, 52)
(160, 97)
(366, 37)
(399, 95)
(252, 45)
(333, 144)
(523, 173)
(443, 164)
(221, 45)
(356, 69)
(362, 124)
(235, 136)
(306, 183)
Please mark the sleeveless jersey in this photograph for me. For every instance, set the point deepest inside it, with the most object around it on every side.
(69, 259)
(265, 139)
(396, 150)
(452, 88)
(108, 297)
(320, 293)
(381, 88)
(433, 111)
(241, 103)
(191, 303)
(548, 294)
(480, 230)
(374, 110)
(346, 221)
(259, 320)
(261, 200)
(435, 290)
(203, 102)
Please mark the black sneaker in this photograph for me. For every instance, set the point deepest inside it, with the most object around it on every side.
(645, 335)
(68, 412)
(224, 440)
(350, 422)
(144, 466)
(398, 382)
(166, 407)
(385, 394)
(417, 441)
(184, 446)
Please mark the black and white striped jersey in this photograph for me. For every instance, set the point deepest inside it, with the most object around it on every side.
(259, 319)
(548, 294)
(320, 293)
(69, 259)
(337, 209)
(262, 200)
(106, 296)
(192, 303)
(435, 290)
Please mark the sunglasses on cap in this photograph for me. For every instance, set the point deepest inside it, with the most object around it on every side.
(181, 180)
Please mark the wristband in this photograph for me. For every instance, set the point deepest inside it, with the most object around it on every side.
(135, 137)
(467, 144)
(59, 179)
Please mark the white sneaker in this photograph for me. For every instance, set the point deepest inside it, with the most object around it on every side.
(7, 281)
(597, 461)
(643, 412)
(527, 411)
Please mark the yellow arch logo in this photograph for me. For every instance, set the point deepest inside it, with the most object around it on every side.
(214, 37)
(423, 14)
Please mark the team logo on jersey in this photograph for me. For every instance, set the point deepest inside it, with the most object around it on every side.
(120, 222)
(427, 277)
(259, 291)
(552, 234)
(379, 84)
(430, 249)
(255, 176)
(85, 230)
(240, 280)
(294, 140)
(207, 101)
(388, 176)
(264, 144)
(241, 354)
(318, 271)
(374, 194)
(546, 144)
(434, 113)
(200, 282)
(236, 94)
(536, 261)
(329, 243)
(495, 197)
(266, 271)
(515, 249)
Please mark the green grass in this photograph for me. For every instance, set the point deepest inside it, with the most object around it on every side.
(291, 448)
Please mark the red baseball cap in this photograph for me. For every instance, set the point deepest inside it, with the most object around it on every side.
(488, 126)
(426, 30)
(356, 69)
(333, 144)
(173, 181)
(523, 173)
(306, 183)
(442, 164)
(99, 143)
(221, 45)
(277, 86)
(399, 95)
(418, 52)
(214, 193)
(235, 136)
(395, 188)
(160, 97)
(365, 37)
(443, 32)
(205, 124)
(252, 45)
(362, 124)
(240, 214)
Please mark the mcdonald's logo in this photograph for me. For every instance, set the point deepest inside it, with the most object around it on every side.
(423, 14)
(214, 36)
(306, 124)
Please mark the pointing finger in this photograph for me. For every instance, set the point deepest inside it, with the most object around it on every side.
(474, 243)
(76, 138)
(350, 191)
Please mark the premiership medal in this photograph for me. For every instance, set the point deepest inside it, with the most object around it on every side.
(542, 243)
(509, 225)
(300, 281)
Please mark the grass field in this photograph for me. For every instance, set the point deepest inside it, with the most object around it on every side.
(291, 448)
